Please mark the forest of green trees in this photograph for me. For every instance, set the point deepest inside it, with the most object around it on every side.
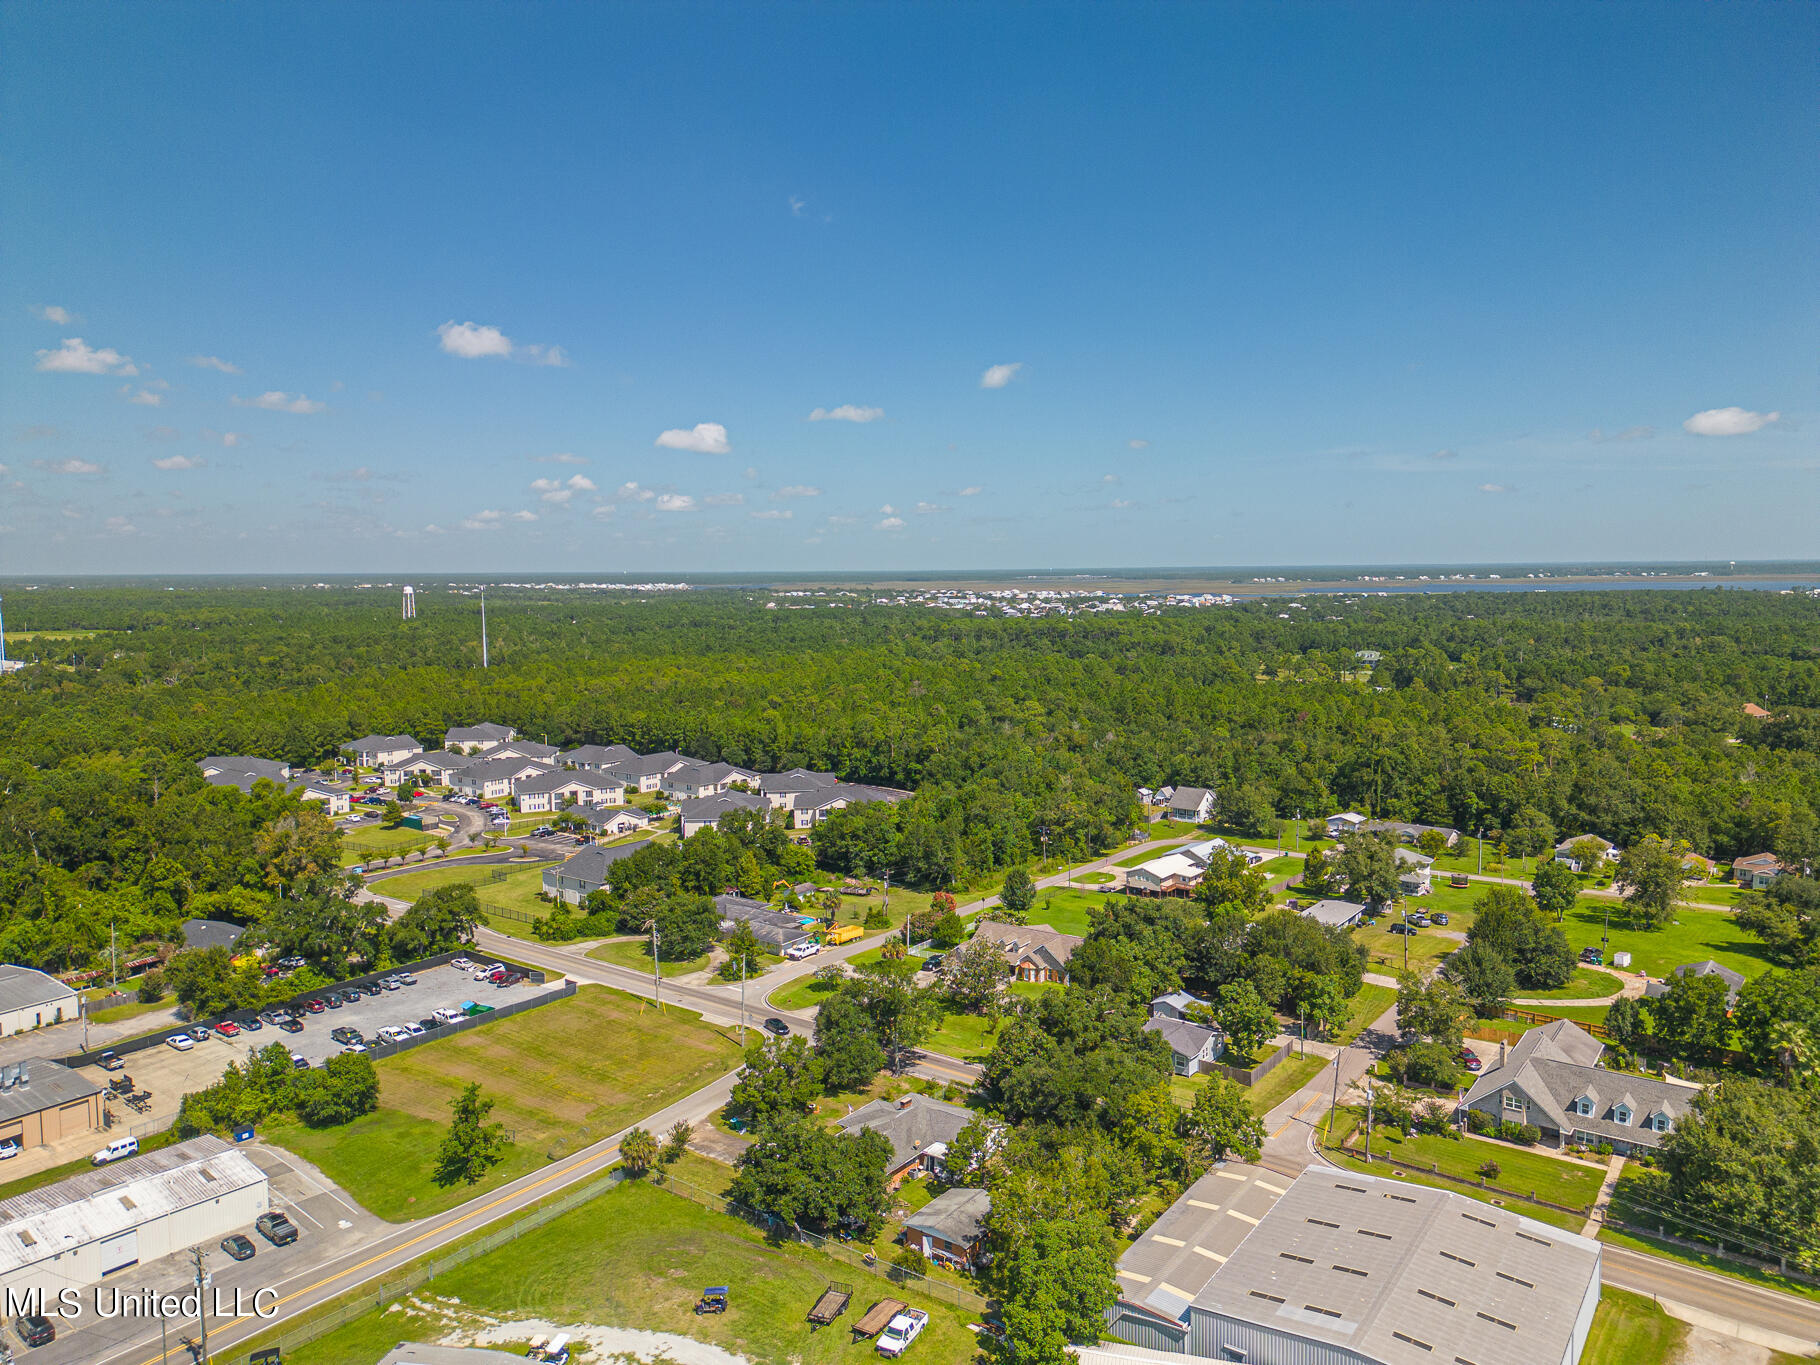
(1616, 713)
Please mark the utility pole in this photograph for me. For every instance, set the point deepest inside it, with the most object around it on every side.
(483, 628)
(1334, 1108)
(657, 975)
(1370, 1099)
(1301, 1014)
(203, 1281)
(744, 966)
(113, 953)
(1481, 850)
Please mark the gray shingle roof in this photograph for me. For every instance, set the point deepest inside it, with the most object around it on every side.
(912, 1125)
(853, 793)
(382, 742)
(956, 1216)
(710, 808)
(596, 755)
(592, 865)
(241, 763)
(1039, 942)
(211, 933)
(796, 780)
(1186, 1039)
(1555, 1065)
(478, 734)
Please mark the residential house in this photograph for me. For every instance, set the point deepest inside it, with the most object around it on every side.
(1193, 804)
(1163, 795)
(611, 824)
(1175, 1005)
(1035, 951)
(491, 778)
(553, 789)
(646, 772)
(706, 811)
(1339, 826)
(1734, 981)
(1552, 1079)
(776, 929)
(525, 748)
(1407, 832)
(694, 780)
(587, 871)
(783, 789)
(1564, 851)
(1755, 712)
(594, 756)
(378, 751)
(1172, 874)
(950, 1228)
(918, 1128)
(269, 769)
(335, 800)
(1193, 1048)
(812, 807)
(478, 739)
(1413, 871)
(1695, 865)
(1334, 914)
(438, 767)
(1146, 796)
(1757, 870)
(212, 933)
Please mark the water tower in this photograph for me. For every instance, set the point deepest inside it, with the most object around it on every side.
(410, 603)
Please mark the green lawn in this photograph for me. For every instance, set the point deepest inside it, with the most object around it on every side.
(364, 842)
(805, 993)
(1139, 859)
(1585, 984)
(1367, 1005)
(966, 1036)
(638, 1257)
(1033, 990)
(1288, 1077)
(633, 953)
(1391, 952)
(1066, 911)
(1629, 1329)
(1586, 1014)
(1694, 936)
(564, 1075)
(517, 890)
(1095, 878)
(1525, 1169)
(1283, 866)
(131, 1010)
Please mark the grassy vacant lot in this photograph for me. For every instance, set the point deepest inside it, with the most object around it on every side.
(517, 890)
(364, 842)
(1267, 1094)
(575, 1070)
(1525, 1169)
(113, 1014)
(1367, 1005)
(1694, 936)
(1067, 911)
(1585, 984)
(1095, 878)
(805, 993)
(632, 953)
(966, 1036)
(1629, 1329)
(638, 1257)
(1424, 948)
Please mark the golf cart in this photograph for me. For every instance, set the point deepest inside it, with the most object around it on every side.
(712, 1300)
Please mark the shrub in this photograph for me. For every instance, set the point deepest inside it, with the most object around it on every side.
(1491, 1170)
(1480, 1123)
(1603, 1149)
(1529, 1135)
(876, 918)
(911, 1259)
(151, 987)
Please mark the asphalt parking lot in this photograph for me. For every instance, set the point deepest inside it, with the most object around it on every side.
(170, 1074)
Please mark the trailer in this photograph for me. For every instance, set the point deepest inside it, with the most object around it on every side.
(878, 1317)
(832, 1303)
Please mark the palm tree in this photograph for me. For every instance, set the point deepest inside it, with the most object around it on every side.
(1794, 1048)
(638, 1149)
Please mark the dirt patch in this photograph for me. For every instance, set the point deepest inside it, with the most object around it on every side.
(454, 1324)
(1703, 1347)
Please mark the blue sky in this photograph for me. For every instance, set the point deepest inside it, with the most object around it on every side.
(440, 287)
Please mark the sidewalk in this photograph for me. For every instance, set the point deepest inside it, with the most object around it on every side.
(1596, 1219)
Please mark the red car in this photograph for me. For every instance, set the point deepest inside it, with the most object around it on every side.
(227, 1028)
(315, 1006)
(1470, 1059)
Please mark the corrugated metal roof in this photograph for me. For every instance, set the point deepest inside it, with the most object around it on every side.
(23, 987)
(52, 1084)
(56, 1218)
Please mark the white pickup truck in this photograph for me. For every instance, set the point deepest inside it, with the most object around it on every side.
(903, 1329)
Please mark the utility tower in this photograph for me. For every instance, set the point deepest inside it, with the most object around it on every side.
(483, 628)
(410, 603)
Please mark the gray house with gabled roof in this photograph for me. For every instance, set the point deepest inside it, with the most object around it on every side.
(1552, 1080)
(588, 871)
(1734, 981)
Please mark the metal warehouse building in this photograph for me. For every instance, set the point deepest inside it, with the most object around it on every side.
(29, 999)
(72, 1234)
(1339, 1268)
(42, 1102)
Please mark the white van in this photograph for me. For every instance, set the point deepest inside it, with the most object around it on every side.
(119, 1147)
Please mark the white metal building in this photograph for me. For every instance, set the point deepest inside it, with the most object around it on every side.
(76, 1232)
(29, 999)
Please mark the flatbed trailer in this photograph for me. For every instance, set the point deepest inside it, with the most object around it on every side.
(832, 1303)
(878, 1317)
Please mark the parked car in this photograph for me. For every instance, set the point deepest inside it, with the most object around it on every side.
(509, 979)
(932, 963)
(251, 1025)
(1403, 929)
(777, 1026)
(200, 1032)
(903, 1329)
(276, 1229)
(415, 1030)
(483, 970)
(448, 1014)
(1470, 1059)
(299, 1062)
(237, 1246)
(315, 1006)
(796, 952)
(9, 1149)
(461, 964)
(333, 1000)
(34, 1329)
(117, 1149)
(406, 979)
(111, 1061)
(387, 983)
(1594, 956)
(1419, 920)
(345, 1035)
(541, 831)
(181, 1041)
(1439, 917)
(289, 1025)
(227, 1028)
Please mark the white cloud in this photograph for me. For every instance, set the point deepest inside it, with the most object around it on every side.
(890, 524)
(145, 398)
(562, 457)
(177, 462)
(923, 509)
(481, 521)
(1494, 488)
(119, 526)
(233, 438)
(51, 312)
(888, 510)
(797, 206)
(603, 510)
(75, 356)
(675, 502)
(834, 520)
(725, 500)
(846, 412)
(997, 376)
(631, 492)
(1445, 455)
(553, 356)
(523, 515)
(798, 490)
(1721, 421)
(973, 491)
(751, 471)
(434, 530)
(561, 490)
(275, 401)
(68, 466)
(1109, 478)
(213, 362)
(705, 438)
(1121, 503)
(773, 514)
(471, 341)
(1138, 444)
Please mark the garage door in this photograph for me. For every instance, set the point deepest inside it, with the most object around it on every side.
(117, 1253)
